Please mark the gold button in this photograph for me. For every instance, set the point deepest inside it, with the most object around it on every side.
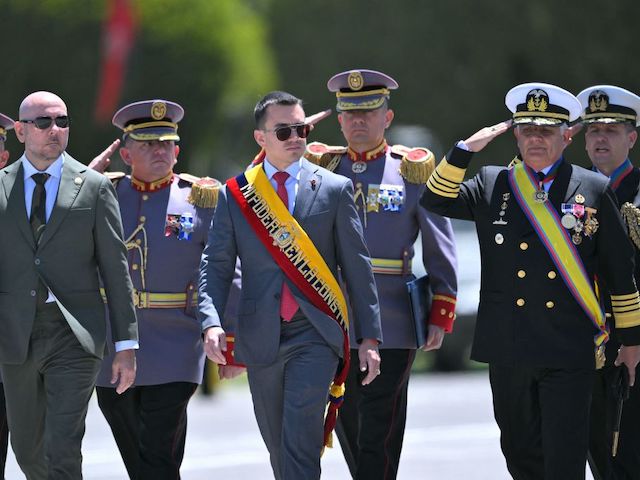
(450, 315)
(552, 274)
(550, 304)
(607, 315)
(134, 266)
(520, 302)
(142, 219)
(138, 241)
(522, 274)
(145, 197)
(524, 246)
(443, 311)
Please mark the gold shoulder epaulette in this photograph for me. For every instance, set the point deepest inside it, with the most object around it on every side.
(417, 163)
(326, 156)
(114, 177)
(631, 215)
(204, 190)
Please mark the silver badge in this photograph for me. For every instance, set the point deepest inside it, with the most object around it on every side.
(499, 239)
(576, 238)
(358, 167)
(569, 221)
(540, 196)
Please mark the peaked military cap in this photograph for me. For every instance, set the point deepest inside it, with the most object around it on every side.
(542, 104)
(6, 124)
(609, 104)
(149, 120)
(361, 89)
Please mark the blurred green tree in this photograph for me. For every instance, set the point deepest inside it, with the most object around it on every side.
(212, 57)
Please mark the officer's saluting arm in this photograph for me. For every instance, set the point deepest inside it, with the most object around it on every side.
(446, 194)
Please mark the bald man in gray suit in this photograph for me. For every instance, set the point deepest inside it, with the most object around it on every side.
(61, 228)
(291, 354)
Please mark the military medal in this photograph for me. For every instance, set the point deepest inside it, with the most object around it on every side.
(502, 212)
(540, 196)
(499, 238)
(358, 167)
(186, 226)
(568, 221)
(576, 238)
(579, 199)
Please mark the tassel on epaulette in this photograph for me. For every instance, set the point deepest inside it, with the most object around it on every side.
(204, 191)
(417, 165)
(631, 215)
(325, 156)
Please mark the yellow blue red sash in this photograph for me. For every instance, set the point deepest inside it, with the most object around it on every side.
(297, 256)
(546, 222)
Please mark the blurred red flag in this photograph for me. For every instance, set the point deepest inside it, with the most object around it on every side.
(117, 42)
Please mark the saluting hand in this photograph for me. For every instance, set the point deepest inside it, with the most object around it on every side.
(435, 336)
(123, 370)
(369, 358)
(481, 138)
(102, 161)
(215, 342)
(630, 356)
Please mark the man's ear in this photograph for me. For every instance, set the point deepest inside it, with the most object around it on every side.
(388, 118)
(4, 158)
(125, 155)
(19, 129)
(259, 137)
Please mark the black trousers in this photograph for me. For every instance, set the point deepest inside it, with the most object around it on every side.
(543, 415)
(372, 418)
(149, 424)
(4, 432)
(626, 464)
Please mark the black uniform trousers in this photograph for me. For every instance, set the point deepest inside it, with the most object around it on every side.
(543, 416)
(372, 418)
(626, 464)
(4, 432)
(149, 424)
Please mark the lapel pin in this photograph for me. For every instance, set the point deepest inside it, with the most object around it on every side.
(77, 180)
(313, 185)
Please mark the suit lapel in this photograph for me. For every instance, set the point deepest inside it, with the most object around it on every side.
(308, 188)
(13, 186)
(70, 184)
(572, 182)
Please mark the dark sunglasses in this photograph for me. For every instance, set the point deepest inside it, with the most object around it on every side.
(42, 123)
(283, 133)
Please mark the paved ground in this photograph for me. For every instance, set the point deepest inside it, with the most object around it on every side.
(450, 435)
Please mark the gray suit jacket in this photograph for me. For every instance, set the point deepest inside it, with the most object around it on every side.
(325, 209)
(82, 239)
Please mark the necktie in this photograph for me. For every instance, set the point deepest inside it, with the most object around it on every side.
(38, 217)
(38, 220)
(288, 304)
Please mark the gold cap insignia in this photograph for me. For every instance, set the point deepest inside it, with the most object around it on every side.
(355, 80)
(158, 110)
(537, 100)
(598, 101)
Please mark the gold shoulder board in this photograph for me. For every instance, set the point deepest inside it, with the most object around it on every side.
(417, 164)
(631, 215)
(114, 177)
(204, 190)
(326, 156)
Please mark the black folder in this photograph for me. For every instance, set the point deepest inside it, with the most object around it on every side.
(420, 297)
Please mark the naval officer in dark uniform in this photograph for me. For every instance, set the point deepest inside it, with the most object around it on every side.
(388, 181)
(166, 217)
(6, 124)
(545, 228)
(610, 116)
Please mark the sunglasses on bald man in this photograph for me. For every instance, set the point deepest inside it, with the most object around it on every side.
(284, 133)
(42, 123)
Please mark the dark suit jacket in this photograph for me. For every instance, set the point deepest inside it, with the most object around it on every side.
(527, 316)
(82, 239)
(325, 209)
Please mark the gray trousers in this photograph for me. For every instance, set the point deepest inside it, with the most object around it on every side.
(47, 398)
(289, 400)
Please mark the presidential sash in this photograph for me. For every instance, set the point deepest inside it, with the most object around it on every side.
(297, 256)
(546, 222)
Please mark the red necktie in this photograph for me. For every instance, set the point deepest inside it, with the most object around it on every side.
(288, 304)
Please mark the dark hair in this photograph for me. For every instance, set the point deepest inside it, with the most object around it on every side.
(272, 98)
